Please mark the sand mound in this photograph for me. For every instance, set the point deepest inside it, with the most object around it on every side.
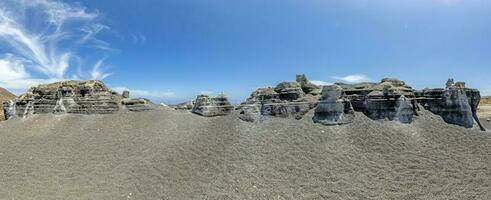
(177, 155)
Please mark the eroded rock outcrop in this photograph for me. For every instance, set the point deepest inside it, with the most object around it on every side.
(5, 96)
(456, 104)
(184, 106)
(390, 99)
(138, 105)
(77, 97)
(286, 100)
(212, 106)
(334, 108)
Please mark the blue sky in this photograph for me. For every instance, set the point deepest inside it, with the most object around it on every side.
(171, 50)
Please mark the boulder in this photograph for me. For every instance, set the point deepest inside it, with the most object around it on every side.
(212, 106)
(250, 113)
(77, 97)
(333, 108)
(138, 105)
(126, 94)
(184, 106)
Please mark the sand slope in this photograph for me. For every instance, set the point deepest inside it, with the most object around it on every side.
(177, 155)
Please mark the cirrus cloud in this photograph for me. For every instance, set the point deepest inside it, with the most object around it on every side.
(354, 78)
(40, 39)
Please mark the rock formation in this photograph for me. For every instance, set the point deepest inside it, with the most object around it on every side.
(126, 94)
(334, 108)
(287, 100)
(5, 96)
(456, 104)
(138, 105)
(212, 106)
(78, 97)
(184, 106)
(390, 99)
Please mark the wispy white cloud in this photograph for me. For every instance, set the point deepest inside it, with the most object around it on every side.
(146, 93)
(97, 72)
(138, 38)
(43, 48)
(206, 92)
(354, 78)
(317, 82)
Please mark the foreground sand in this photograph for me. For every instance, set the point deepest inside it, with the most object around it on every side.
(177, 155)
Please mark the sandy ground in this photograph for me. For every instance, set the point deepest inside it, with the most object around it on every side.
(178, 155)
(484, 113)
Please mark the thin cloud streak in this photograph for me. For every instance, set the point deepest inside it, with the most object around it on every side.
(36, 55)
(354, 78)
(146, 93)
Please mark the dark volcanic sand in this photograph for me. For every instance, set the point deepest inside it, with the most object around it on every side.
(177, 155)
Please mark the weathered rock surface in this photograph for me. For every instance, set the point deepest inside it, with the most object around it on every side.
(287, 100)
(333, 108)
(212, 106)
(390, 99)
(77, 97)
(184, 106)
(455, 104)
(126, 94)
(307, 86)
(138, 105)
(5, 96)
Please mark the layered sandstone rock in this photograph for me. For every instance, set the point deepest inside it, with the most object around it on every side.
(456, 104)
(334, 108)
(212, 106)
(390, 99)
(78, 97)
(138, 105)
(5, 96)
(286, 100)
(184, 106)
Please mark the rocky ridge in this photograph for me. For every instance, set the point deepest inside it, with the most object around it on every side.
(390, 99)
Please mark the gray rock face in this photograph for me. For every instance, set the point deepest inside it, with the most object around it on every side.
(212, 106)
(308, 87)
(184, 106)
(390, 99)
(452, 105)
(286, 100)
(289, 91)
(333, 108)
(126, 94)
(250, 113)
(138, 105)
(400, 109)
(77, 97)
(455, 104)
